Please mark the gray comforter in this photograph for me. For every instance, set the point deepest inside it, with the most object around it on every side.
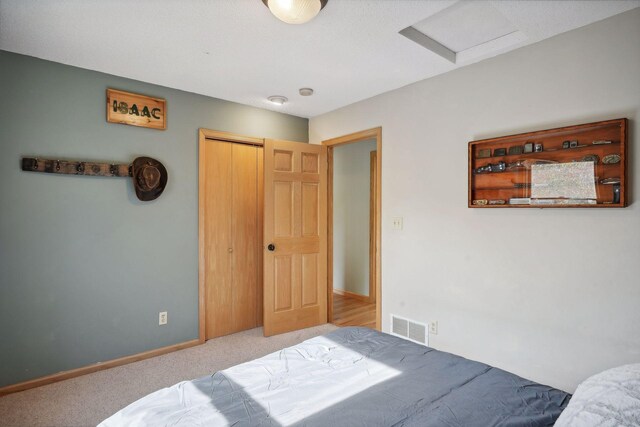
(351, 377)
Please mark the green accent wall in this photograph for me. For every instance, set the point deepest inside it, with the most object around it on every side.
(85, 267)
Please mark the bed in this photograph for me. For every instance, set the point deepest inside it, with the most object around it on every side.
(351, 377)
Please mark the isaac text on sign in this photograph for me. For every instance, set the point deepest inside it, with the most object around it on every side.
(137, 110)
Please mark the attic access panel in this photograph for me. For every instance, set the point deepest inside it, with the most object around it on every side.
(465, 31)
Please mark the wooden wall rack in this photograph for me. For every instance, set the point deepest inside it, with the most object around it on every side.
(551, 168)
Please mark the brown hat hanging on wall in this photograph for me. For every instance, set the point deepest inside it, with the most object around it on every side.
(149, 178)
(149, 175)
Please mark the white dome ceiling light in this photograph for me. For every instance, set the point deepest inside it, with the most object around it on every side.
(295, 11)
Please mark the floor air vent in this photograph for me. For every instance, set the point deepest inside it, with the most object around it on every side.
(409, 329)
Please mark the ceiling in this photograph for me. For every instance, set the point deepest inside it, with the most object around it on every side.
(236, 50)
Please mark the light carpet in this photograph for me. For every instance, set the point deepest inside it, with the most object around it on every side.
(89, 399)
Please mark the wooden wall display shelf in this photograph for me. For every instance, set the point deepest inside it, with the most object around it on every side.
(551, 168)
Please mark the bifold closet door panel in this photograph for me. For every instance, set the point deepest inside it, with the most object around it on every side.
(218, 239)
(244, 226)
(260, 237)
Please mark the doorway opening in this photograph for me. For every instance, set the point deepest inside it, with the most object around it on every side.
(354, 232)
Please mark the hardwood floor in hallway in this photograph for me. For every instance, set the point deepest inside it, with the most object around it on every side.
(349, 311)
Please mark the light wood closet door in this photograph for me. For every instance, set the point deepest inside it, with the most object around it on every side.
(233, 237)
(295, 236)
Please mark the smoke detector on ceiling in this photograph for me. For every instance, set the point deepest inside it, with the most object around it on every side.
(277, 99)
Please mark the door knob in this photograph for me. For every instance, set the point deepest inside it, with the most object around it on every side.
(271, 247)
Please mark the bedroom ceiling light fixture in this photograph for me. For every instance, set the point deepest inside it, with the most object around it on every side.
(295, 11)
(306, 91)
(277, 99)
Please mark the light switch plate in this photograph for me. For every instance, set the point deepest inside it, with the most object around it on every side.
(397, 223)
(162, 318)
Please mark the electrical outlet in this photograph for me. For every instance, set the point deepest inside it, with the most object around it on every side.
(397, 223)
(433, 328)
(162, 318)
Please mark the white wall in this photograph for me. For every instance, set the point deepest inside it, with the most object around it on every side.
(351, 185)
(553, 294)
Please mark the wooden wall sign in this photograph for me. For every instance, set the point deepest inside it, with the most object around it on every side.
(136, 110)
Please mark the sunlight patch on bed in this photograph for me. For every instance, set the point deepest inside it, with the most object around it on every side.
(315, 375)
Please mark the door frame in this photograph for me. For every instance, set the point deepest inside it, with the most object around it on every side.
(374, 133)
(203, 136)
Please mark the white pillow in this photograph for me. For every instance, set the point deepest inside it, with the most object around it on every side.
(610, 398)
